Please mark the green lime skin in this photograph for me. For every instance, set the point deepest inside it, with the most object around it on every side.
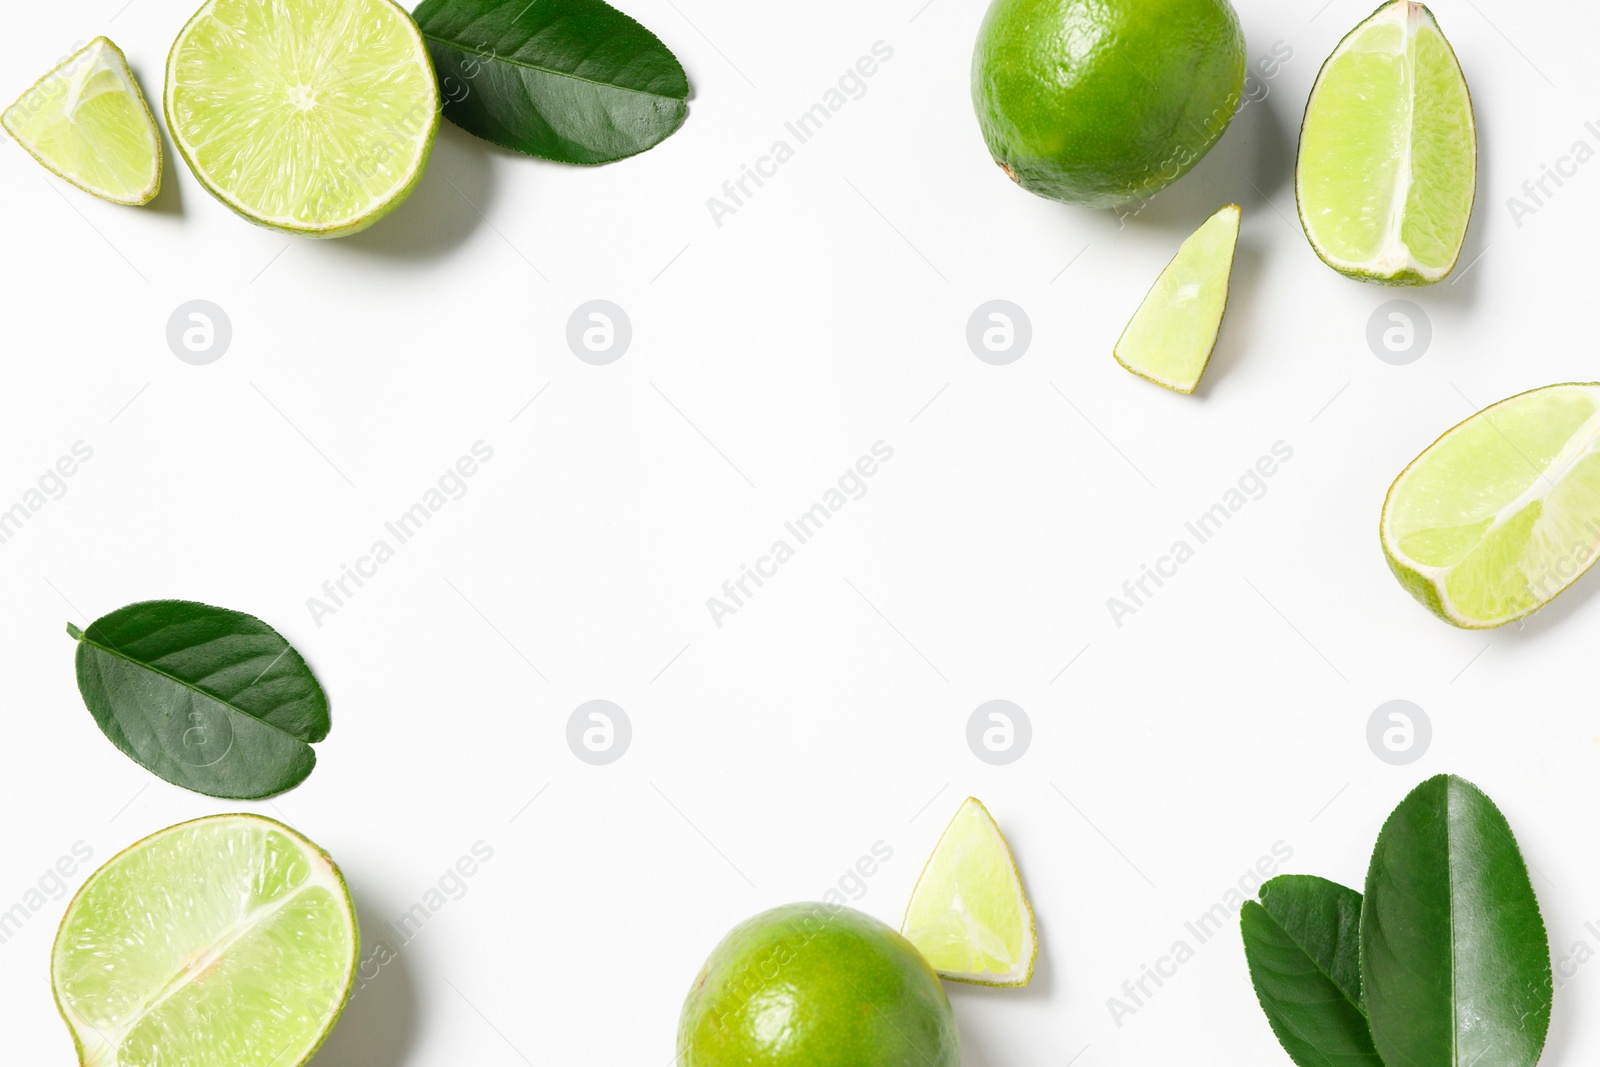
(1104, 102)
(813, 985)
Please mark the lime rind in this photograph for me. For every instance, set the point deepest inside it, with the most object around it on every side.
(1370, 217)
(1108, 103)
(88, 123)
(1523, 478)
(1170, 339)
(969, 887)
(121, 967)
(318, 129)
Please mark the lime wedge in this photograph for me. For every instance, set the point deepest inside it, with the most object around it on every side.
(224, 942)
(968, 914)
(87, 121)
(1502, 513)
(314, 117)
(1389, 152)
(1171, 337)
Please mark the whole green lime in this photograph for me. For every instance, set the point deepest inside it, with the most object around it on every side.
(1101, 102)
(812, 985)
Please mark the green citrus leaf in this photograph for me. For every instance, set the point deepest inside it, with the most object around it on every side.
(576, 81)
(1303, 944)
(1455, 961)
(209, 699)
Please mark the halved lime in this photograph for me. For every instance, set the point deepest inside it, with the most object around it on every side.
(314, 117)
(968, 914)
(88, 122)
(229, 941)
(1502, 513)
(1171, 337)
(1389, 152)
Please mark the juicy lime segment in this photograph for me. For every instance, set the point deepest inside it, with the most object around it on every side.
(315, 117)
(1171, 337)
(968, 914)
(228, 940)
(1389, 152)
(1502, 513)
(88, 122)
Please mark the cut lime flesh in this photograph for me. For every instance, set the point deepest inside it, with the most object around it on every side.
(88, 122)
(1502, 513)
(1171, 337)
(968, 914)
(1389, 152)
(225, 942)
(315, 117)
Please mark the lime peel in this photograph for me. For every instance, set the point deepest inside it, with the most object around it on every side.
(88, 123)
(968, 913)
(1105, 102)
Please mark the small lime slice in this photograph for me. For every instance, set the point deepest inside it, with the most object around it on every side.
(1389, 152)
(224, 942)
(314, 117)
(1502, 513)
(88, 122)
(968, 914)
(1171, 337)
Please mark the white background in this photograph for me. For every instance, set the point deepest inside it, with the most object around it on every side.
(829, 713)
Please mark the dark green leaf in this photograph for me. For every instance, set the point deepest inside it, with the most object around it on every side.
(1303, 944)
(209, 699)
(576, 81)
(1455, 961)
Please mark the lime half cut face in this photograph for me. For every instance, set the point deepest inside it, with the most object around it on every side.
(1389, 152)
(968, 914)
(225, 942)
(1502, 513)
(314, 117)
(88, 122)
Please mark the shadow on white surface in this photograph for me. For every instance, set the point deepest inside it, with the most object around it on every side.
(1252, 166)
(1239, 325)
(451, 202)
(378, 1028)
(1254, 159)
(965, 999)
(169, 200)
